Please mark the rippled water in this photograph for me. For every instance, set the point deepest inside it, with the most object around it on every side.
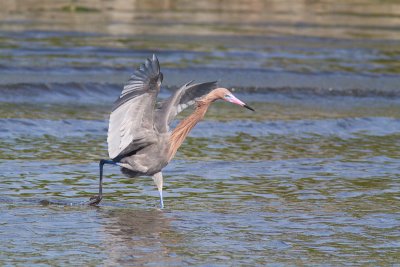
(300, 181)
(310, 178)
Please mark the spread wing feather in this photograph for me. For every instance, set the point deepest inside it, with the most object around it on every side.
(184, 97)
(131, 125)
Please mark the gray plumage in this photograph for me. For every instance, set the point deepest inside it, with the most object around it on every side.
(135, 123)
(183, 98)
(139, 137)
(132, 120)
(138, 133)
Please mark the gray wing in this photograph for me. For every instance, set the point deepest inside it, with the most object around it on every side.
(184, 97)
(131, 125)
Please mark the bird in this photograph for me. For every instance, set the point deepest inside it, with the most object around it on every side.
(139, 139)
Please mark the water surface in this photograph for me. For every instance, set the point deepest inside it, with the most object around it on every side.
(310, 178)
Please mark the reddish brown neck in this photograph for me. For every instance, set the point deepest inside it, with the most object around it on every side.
(185, 126)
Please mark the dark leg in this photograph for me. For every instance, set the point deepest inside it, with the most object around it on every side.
(95, 200)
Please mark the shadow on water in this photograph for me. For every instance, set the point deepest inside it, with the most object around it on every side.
(126, 235)
(57, 203)
(140, 237)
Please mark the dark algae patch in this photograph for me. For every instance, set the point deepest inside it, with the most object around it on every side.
(79, 9)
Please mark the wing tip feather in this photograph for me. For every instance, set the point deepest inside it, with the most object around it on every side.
(145, 73)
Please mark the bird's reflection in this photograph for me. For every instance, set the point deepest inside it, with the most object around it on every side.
(140, 237)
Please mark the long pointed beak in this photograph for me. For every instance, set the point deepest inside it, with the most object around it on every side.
(248, 107)
(236, 101)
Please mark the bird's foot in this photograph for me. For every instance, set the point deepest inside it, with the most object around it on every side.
(94, 200)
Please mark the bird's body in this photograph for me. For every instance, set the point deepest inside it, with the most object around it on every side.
(148, 160)
(139, 137)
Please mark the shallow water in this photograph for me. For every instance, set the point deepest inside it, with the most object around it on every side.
(310, 178)
(299, 181)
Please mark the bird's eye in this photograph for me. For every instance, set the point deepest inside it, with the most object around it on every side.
(227, 96)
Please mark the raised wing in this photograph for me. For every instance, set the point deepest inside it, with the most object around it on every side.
(131, 125)
(184, 97)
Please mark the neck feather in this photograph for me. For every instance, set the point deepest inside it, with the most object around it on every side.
(184, 127)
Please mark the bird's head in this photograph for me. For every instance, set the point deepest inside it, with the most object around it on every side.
(225, 94)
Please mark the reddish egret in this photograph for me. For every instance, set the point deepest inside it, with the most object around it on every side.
(139, 138)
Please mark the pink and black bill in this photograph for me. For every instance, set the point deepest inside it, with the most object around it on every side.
(248, 107)
(233, 99)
